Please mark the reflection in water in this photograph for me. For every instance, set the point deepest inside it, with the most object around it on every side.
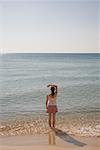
(51, 138)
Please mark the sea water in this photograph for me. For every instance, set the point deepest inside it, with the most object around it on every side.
(23, 89)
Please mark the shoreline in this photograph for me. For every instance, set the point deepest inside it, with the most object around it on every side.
(50, 141)
(87, 125)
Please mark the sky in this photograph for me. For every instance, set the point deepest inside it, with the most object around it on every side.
(49, 26)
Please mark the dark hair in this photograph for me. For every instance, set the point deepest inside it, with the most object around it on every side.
(52, 90)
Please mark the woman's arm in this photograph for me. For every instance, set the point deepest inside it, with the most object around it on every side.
(46, 101)
(56, 88)
(49, 85)
(53, 86)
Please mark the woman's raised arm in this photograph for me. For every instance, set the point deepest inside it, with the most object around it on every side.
(53, 86)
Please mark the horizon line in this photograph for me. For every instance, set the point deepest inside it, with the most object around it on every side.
(50, 53)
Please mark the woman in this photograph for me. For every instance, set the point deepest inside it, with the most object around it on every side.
(51, 105)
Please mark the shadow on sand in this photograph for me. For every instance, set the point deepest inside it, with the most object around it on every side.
(64, 136)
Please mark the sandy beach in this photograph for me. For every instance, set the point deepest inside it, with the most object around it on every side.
(54, 140)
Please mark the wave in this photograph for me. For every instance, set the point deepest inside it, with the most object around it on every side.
(84, 124)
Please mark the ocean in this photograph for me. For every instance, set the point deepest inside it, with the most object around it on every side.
(23, 88)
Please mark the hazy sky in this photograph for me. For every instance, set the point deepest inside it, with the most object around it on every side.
(49, 26)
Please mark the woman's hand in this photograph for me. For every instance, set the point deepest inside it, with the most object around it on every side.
(49, 85)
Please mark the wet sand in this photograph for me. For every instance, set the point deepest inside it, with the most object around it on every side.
(79, 124)
(54, 140)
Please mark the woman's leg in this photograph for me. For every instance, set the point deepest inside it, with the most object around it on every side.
(54, 114)
(50, 119)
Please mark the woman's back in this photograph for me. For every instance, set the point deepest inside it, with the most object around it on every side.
(52, 99)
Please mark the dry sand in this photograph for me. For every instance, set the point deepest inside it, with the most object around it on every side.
(53, 141)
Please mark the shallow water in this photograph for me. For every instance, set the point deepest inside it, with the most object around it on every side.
(84, 124)
(23, 80)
